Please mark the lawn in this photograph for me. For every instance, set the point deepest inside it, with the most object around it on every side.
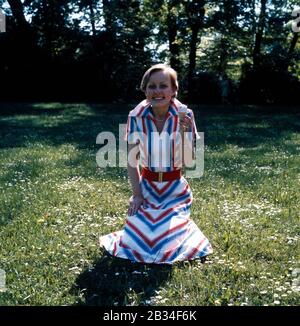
(55, 202)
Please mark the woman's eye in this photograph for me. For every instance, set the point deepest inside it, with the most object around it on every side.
(163, 86)
(151, 86)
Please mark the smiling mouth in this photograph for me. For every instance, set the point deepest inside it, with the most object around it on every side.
(158, 98)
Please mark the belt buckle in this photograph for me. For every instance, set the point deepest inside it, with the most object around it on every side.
(160, 176)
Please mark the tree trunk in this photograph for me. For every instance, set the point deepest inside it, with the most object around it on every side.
(291, 50)
(16, 7)
(172, 33)
(92, 16)
(223, 56)
(192, 56)
(107, 15)
(196, 13)
(293, 43)
(259, 33)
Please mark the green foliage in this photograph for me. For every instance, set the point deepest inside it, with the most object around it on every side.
(94, 46)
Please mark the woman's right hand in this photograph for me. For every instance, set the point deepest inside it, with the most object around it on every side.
(135, 203)
(185, 123)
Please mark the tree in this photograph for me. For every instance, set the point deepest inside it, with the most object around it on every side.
(259, 33)
(17, 9)
(195, 12)
(94, 46)
(91, 7)
(172, 23)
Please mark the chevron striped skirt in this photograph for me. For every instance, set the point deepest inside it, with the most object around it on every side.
(162, 231)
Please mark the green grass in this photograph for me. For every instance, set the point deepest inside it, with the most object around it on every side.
(55, 202)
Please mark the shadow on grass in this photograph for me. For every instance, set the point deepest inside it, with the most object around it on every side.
(56, 125)
(10, 109)
(114, 281)
(80, 124)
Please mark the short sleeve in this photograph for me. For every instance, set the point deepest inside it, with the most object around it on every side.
(131, 135)
(193, 134)
(194, 127)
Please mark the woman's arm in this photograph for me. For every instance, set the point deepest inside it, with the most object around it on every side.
(133, 169)
(188, 151)
(188, 154)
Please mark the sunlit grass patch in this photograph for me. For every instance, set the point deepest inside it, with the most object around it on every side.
(55, 202)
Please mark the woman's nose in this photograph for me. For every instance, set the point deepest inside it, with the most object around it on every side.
(157, 90)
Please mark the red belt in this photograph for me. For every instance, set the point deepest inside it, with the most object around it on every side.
(161, 176)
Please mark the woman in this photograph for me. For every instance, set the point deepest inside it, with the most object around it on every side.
(158, 228)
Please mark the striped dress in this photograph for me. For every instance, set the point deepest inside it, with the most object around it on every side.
(161, 232)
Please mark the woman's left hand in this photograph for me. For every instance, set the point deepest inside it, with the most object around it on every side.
(135, 203)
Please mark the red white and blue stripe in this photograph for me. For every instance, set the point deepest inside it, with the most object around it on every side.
(162, 231)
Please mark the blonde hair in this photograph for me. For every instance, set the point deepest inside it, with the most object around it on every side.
(160, 67)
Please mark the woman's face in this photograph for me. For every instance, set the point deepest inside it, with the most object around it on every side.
(159, 90)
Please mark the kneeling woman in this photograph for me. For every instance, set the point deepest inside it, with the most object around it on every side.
(158, 227)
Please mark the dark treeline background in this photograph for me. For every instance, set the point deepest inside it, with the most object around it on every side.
(88, 50)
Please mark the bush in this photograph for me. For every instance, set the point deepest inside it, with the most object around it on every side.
(205, 89)
(268, 84)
